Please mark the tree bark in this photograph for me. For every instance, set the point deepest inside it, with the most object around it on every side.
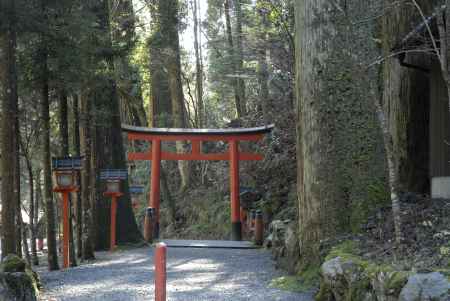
(263, 66)
(108, 144)
(21, 243)
(9, 99)
(78, 201)
(240, 58)
(168, 22)
(40, 229)
(231, 52)
(33, 209)
(86, 182)
(199, 68)
(48, 194)
(339, 139)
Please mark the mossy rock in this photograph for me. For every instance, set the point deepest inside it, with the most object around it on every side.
(13, 263)
(325, 293)
(18, 286)
(396, 282)
(347, 276)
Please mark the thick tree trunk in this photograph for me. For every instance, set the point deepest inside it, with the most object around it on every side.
(85, 141)
(405, 91)
(404, 112)
(40, 228)
(109, 146)
(231, 52)
(167, 111)
(21, 243)
(77, 201)
(198, 68)
(9, 99)
(33, 224)
(339, 141)
(48, 194)
(263, 67)
(24, 235)
(170, 50)
(240, 58)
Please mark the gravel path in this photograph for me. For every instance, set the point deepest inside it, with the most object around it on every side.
(193, 274)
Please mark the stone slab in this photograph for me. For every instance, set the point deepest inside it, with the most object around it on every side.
(209, 244)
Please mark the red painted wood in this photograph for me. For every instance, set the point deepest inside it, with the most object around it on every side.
(196, 147)
(40, 244)
(113, 223)
(155, 176)
(114, 196)
(234, 181)
(156, 136)
(244, 220)
(259, 230)
(194, 157)
(160, 272)
(65, 219)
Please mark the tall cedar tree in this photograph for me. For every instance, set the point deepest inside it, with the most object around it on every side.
(107, 141)
(332, 185)
(9, 103)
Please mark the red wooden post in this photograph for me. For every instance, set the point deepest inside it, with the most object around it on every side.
(160, 272)
(234, 183)
(113, 222)
(243, 220)
(259, 229)
(252, 220)
(40, 244)
(155, 189)
(148, 225)
(65, 213)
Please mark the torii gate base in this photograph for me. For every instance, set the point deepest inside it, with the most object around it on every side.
(196, 136)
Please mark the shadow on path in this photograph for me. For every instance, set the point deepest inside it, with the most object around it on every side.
(193, 274)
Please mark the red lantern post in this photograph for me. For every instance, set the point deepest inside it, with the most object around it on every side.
(65, 184)
(113, 178)
(113, 191)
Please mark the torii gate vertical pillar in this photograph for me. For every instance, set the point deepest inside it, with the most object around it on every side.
(155, 183)
(236, 225)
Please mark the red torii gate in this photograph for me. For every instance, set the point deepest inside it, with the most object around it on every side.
(196, 136)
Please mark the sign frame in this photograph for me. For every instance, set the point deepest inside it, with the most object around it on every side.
(66, 163)
(113, 174)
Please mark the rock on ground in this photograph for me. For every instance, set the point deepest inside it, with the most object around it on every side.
(17, 282)
(352, 279)
(430, 286)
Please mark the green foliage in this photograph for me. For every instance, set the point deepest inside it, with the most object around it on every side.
(304, 281)
(139, 59)
(346, 250)
(289, 283)
(377, 197)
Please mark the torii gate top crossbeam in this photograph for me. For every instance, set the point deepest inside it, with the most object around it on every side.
(195, 136)
(171, 134)
(203, 132)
